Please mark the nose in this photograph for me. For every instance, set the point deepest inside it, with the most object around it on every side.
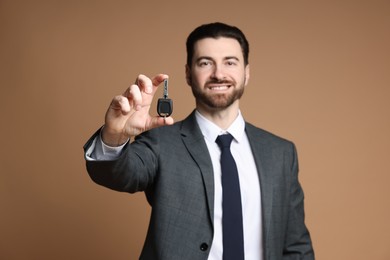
(218, 73)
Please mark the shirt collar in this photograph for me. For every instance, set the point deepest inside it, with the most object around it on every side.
(211, 131)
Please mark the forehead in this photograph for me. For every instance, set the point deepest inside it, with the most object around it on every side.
(220, 47)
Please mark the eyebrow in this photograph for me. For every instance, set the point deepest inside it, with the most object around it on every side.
(231, 58)
(209, 58)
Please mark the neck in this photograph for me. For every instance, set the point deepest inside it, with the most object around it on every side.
(221, 117)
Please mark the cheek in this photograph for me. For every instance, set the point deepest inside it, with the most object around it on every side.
(199, 77)
(242, 76)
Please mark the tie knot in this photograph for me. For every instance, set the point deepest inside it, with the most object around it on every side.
(224, 141)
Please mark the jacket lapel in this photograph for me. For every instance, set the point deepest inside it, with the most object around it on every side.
(263, 162)
(194, 141)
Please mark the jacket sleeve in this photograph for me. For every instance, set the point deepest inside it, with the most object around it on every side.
(132, 171)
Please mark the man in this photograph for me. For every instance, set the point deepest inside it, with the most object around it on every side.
(182, 168)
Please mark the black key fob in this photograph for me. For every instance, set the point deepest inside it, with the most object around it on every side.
(164, 107)
(165, 104)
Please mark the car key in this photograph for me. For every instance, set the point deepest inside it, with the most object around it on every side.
(165, 104)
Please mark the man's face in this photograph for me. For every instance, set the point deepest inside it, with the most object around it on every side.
(217, 75)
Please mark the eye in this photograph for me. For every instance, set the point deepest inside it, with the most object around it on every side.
(204, 63)
(231, 62)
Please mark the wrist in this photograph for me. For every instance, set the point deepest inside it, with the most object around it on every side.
(112, 139)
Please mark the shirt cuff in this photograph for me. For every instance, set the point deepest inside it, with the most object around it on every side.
(99, 151)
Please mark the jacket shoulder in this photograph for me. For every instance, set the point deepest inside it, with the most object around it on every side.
(265, 136)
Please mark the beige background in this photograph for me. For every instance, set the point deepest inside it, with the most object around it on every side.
(319, 76)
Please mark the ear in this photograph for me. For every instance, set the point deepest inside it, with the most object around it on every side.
(188, 75)
(247, 74)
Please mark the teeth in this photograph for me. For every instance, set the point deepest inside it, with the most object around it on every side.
(219, 87)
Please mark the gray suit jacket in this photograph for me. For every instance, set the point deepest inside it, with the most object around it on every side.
(172, 165)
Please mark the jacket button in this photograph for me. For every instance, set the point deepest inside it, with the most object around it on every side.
(204, 246)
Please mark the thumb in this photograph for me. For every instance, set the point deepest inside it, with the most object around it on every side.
(160, 121)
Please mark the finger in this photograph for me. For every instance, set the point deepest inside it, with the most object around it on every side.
(158, 79)
(144, 83)
(161, 121)
(121, 103)
(133, 94)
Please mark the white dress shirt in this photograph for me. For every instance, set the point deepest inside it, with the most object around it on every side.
(249, 185)
(248, 176)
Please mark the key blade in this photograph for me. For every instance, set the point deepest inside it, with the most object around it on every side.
(165, 88)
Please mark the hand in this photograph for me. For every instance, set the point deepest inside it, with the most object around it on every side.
(128, 114)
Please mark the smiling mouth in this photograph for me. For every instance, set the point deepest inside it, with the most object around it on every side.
(219, 87)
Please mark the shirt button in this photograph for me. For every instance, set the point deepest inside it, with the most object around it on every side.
(204, 246)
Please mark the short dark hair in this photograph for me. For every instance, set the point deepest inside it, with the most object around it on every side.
(216, 30)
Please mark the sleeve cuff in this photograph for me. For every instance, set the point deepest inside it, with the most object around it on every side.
(99, 151)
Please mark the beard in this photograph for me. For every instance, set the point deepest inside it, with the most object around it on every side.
(218, 101)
